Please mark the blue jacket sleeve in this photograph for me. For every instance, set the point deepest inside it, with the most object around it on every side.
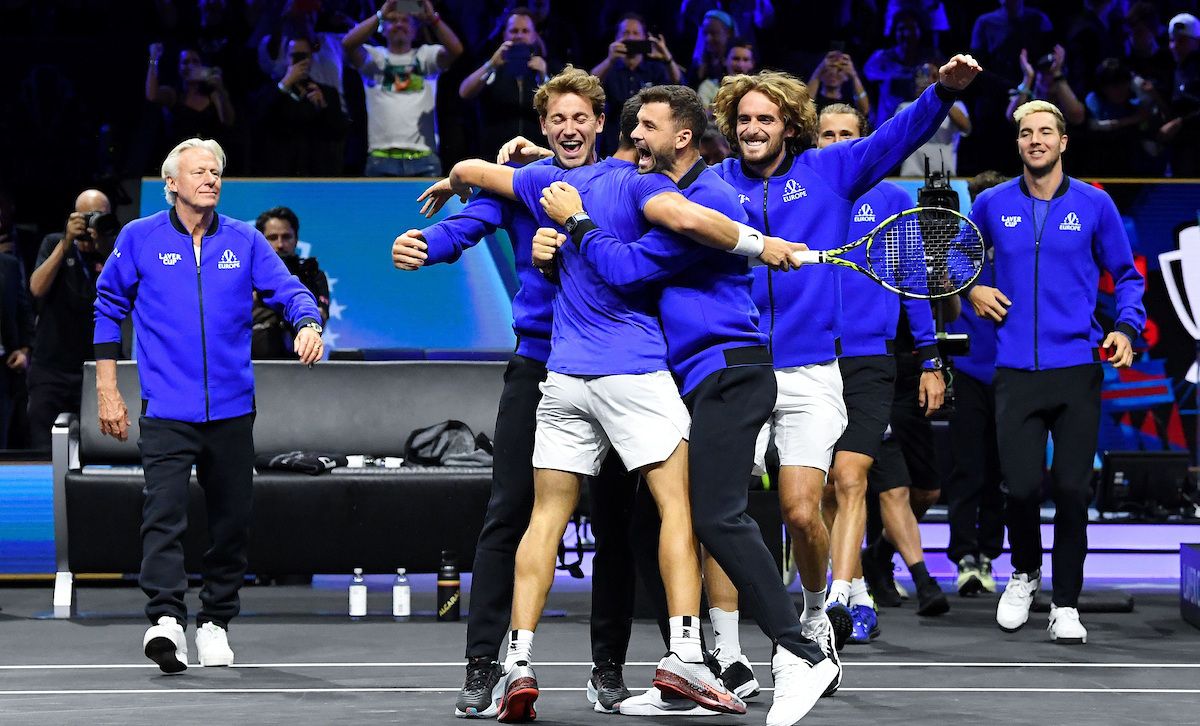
(280, 289)
(116, 290)
(1112, 251)
(462, 230)
(853, 167)
(629, 266)
(920, 322)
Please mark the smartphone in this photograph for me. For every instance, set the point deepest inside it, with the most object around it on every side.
(412, 7)
(638, 47)
(518, 54)
(838, 45)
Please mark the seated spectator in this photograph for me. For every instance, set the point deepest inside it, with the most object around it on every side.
(1046, 82)
(836, 80)
(712, 46)
(1147, 57)
(200, 107)
(299, 122)
(739, 59)
(1121, 113)
(506, 82)
(1182, 131)
(748, 16)
(626, 72)
(942, 148)
(272, 337)
(714, 147)
(63, 285)
(894, 68)
(400, 88)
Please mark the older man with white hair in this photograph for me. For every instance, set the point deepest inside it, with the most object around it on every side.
(193, 330)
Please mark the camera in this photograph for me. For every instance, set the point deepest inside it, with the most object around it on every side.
(518, 54)
(638, 47)
(1044, 63)
(304, 268)
(105, 224)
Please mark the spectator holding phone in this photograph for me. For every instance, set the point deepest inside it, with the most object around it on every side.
(504, 85)
(399, 81)
(894, 69)
(635, 60)
(200, 106)
(1043, 80)
(835, 80)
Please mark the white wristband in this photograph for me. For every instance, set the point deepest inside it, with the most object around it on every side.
(750, 241)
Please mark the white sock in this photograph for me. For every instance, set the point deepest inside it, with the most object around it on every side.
(725, 628)
(840, 591)
(685, 638)
(520, 648)
(814, 604)
(858, 592)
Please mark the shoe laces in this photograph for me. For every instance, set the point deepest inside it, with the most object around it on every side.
(478, 674)
(1065, 614)
(608, 675)
(1021, 587)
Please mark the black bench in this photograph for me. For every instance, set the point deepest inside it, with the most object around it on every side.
(377, 519)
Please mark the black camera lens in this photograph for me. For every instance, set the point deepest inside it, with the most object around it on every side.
(104, 223)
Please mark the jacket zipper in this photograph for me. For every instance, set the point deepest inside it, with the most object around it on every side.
(770, 279)
(1037, 247)
(203, 345)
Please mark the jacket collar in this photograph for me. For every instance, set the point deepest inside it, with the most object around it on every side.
(784, 167)
(693, 174)
(1062, 188)
(178, 225)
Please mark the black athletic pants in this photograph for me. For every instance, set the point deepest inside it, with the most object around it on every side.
(507, 517)
(1064, 402)
(975, 502)
(51, 392)
(223, 453)
(728, 409)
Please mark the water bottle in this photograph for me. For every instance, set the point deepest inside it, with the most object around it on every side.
(401, 596)
(448, 588)
(358, 595)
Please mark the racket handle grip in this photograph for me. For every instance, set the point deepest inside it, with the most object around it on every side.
(802, 257)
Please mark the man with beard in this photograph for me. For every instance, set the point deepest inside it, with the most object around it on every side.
(1047, 374)
(807, 195)
(63, 284)
(570, 110)
(718, 354)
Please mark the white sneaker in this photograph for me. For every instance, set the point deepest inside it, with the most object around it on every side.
(1065, 627)
(798, 686)
(1013, 610)
(166, 645)
(212, 645)
(654, 703)
(820, 631)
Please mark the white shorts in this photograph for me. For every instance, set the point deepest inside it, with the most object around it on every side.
(809, 417)
(580, 419)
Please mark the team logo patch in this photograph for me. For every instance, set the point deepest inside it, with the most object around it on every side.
(743, 199)
(170, 258)
(1010, 220)
(228, 261)
(1071, 223)
(864, 213)
(793, 191)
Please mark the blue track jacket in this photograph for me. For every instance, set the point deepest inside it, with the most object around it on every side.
(1048, 258)
(193, 322)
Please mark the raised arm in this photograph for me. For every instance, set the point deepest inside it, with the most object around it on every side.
(352, 42)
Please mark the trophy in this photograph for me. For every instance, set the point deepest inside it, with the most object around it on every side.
(1187, 304)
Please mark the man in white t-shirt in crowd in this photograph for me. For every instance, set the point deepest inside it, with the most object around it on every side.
(943, 145)
(401, 87)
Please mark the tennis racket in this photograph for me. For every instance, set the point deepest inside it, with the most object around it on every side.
(924, 253)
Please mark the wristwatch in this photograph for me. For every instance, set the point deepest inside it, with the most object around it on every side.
(574, 221)
(315, 326)
(932, 365)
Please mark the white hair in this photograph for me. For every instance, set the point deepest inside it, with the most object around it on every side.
(170, 166)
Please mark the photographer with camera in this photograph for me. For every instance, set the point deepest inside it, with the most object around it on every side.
(272, 337)
(63, 285)
(1044, 81)
(301, 127)
(835, 80)
(635, 60)
(504, 85)
(201, 106)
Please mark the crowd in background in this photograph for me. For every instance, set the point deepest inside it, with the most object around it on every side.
(98, 91)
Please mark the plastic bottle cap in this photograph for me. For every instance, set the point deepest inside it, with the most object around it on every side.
(400, 571)
(358, 570)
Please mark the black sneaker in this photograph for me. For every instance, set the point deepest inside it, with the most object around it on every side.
(880, 580)
(970, 578)
(480, 694)
(843, 623)
(930, 599)
(606, 688)
(739, 678)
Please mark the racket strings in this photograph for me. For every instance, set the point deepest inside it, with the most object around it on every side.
(928, 253)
